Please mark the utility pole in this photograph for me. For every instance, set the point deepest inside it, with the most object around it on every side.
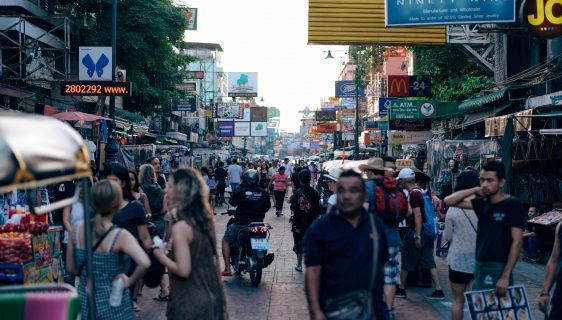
(112, 148)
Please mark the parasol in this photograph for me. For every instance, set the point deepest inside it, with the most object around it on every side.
(78, 116)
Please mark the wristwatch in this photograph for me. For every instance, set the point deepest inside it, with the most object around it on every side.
(416, 237)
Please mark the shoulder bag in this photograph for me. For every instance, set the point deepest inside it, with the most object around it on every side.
(356, 304)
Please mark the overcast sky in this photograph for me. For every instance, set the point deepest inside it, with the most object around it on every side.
(270, 37)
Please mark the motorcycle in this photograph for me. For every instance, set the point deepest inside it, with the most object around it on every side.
(251, 256)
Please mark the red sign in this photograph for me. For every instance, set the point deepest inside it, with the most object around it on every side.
(395, 52)
(398, 86)
(326, 127)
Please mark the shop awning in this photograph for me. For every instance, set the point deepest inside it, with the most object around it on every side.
(476, 103)
(15, 92)
(128, 115)
(473, 118)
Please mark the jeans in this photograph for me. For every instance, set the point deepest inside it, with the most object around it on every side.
(530, 246)
(234, 186)
(279, 199)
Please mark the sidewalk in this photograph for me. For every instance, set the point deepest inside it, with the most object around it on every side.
(416, 306)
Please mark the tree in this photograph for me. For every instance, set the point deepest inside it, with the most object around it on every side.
(455, 76)
(147, 36)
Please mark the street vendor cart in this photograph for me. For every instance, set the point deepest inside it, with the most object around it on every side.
(36, 151)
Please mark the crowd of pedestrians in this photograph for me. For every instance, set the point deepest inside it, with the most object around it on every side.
(358, 246)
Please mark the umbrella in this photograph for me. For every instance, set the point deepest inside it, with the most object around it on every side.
(78, 116)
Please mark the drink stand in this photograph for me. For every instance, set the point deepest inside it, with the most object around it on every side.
(37, 151)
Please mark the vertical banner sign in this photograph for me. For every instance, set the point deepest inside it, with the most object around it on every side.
(191, 16)
(338, 142)
(348, 89)
(95, 63)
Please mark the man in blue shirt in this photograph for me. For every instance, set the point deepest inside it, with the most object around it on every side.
(338, 250)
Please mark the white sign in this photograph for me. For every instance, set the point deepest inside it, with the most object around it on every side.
(242, 84)
(242, 129)
(347, 136)
(259, 129)
(427, 109)
(246, 114)
(409, 137)
(95, 64)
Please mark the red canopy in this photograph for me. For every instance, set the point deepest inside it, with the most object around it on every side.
(78, 116)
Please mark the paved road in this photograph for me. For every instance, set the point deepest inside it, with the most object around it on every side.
(281, 294)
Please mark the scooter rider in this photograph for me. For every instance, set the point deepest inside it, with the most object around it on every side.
(251, 202)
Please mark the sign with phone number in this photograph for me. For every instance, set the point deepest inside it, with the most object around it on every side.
(96, 88)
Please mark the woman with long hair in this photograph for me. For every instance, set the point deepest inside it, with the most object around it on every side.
(131, 217)
(461, 226)
(108, 261)
(196, 288)
(137, 192)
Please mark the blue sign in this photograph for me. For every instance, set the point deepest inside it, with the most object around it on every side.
(371, 125)
(348, 89)
(225, 129)
(382, 125)
(384, 105)
(315, 145)
(443, 12)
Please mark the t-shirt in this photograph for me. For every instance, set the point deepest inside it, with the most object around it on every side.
(495, 221)
(272, 171)
(415, 199)
(221, 174)
(235, 172)
(280, 182)
(130, 217)
(332, 199)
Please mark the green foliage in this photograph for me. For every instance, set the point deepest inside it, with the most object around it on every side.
(455, 76)
(147, 32)
(367, 58)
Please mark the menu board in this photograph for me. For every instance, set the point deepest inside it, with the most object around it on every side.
(487, 305)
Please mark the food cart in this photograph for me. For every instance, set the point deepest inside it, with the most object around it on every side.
(36, 151)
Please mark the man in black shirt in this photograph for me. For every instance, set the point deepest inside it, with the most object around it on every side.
(501, 220)
(251, 202)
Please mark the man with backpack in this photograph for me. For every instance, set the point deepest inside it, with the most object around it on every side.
(419, 238)
(391, 205)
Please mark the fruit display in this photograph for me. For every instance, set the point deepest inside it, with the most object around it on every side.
(549, 218)
(15, 241)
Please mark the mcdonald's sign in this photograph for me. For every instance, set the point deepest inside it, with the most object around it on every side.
(398, 86)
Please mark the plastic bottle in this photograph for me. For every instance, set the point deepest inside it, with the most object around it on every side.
(116, 293)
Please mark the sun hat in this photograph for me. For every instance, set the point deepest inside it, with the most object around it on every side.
(373, 164)
(407, 174)
(333, 174)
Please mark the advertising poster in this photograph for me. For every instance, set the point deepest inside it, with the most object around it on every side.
(324, 116)
(258, 114)
(94, 63)
(41, 250)
(241, 129)
(258, 129)
(348, 89)
(486, 304)
(225, 129)
(229, 110)
(246, 113)
(326, 127)
(242, 84)
(191, 16)
(348, 124)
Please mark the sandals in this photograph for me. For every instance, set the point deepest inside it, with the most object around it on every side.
(225, 273)
(160, 297)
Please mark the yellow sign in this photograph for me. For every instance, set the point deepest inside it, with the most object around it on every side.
(362, 22)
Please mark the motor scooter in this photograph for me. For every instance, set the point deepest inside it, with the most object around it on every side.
(251, 253)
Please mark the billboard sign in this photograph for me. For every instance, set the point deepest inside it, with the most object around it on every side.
(191, 16)
(225, 129)
(412, 109)
(188, 103)
(242, 84)
(258, 114)
(419, 13)
(228, 110)
(189, 88)
(348, 124)
(258, 129)
(347, 103)
(538, 17)
(384, 106)
(338, 142)
(95, 64)
(326, 127)
(397, 86)
(371, 125)
(410, 125)
(408, 86)
(200, 75)
(348, 89)
(324, 116)
(241, 129)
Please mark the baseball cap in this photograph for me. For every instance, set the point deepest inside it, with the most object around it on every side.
(407, 174)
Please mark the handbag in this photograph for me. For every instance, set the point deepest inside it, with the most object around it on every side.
(356, 305)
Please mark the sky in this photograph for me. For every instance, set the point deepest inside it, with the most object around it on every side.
(270, 38)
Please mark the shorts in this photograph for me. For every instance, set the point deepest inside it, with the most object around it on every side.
(231, 234)
(412, 256)
(392, 266)
(460, 277)
(486, 274)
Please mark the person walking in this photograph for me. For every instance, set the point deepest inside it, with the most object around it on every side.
(280, 182)
(130, 217)
(553, 274)
(160, 176)
(344, 252)
(271, 171)
(196, 287)
(234, 174)
(306, 208)
(460, 231)
(210, 181)
(264, 175)
(220, 175)
(417, 247)
(112, 243)
(501, 220)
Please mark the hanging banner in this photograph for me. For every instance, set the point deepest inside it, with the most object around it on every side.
(495, 127)
(326, 127)
(409, 137)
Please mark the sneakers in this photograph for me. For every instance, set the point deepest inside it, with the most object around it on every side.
(400, 293)
(298, 269)
(436, 295)
(277, 213)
